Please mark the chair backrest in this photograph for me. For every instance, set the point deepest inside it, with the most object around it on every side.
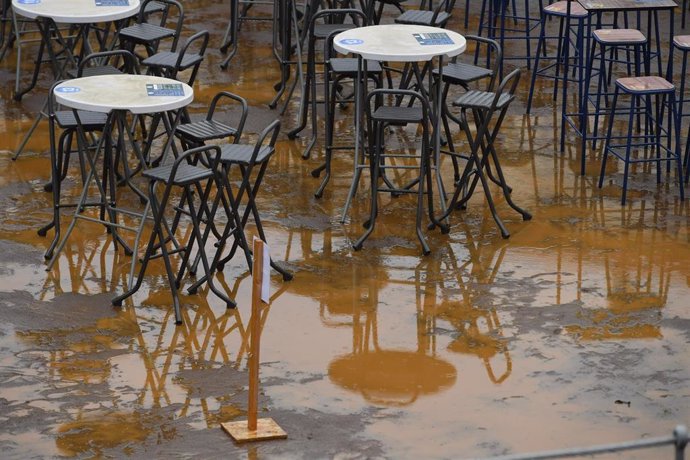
(168, 12)
(243, 116)
(196, 44)
(494, 56)
(264, 140)
(114, 61)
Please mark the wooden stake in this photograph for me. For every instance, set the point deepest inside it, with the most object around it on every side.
(254, 429)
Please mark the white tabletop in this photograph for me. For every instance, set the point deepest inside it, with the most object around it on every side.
(398, 42)
(74, 11)
(103, 93)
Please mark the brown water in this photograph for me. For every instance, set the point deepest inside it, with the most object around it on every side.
(573, 331)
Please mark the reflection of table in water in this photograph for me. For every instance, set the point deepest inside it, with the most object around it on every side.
(392, 377)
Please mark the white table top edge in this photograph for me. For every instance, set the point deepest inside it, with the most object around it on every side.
(75, 11)
(396, 42)
(104, 93)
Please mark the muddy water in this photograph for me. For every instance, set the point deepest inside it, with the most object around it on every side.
(573, 331)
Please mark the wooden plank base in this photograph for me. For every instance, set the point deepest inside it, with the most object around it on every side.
(266, 429)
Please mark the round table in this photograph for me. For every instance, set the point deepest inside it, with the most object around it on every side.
(399, 43)
(130, 93)
(117, 95)
(75, 11)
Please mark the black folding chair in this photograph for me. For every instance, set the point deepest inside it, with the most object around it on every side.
(488, 111)
(195, 181)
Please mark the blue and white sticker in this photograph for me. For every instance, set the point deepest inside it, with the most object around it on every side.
(28, 2)
(67, 89)
(351, 41)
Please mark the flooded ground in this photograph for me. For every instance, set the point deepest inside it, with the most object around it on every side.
(572, 332)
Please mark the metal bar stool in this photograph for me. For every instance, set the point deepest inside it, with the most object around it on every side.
(488, 112)
(339, 69)
(615, 42)
(246, 157)
(415, 111)
(641, 90)
(193, 180)
(682, 44)
(321, 25)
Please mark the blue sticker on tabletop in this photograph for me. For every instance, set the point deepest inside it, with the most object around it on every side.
(436, 38)
(351, 41)
(112, 2)
(28, 2)
(67, 89)
(164, 89)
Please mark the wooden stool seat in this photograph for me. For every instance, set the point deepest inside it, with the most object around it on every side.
(645, 85)
(619, 36)
(682, 42)
(561, 9)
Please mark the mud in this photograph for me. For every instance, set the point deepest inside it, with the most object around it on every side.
(572, 332)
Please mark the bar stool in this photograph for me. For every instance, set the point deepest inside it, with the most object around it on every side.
(565, 53)
(197, 133)
(194, 180)
(321, 25)
(615, 42)
(417, 111)
(246, 157)
(148, 34)
(339, 69)
(682, 44)
(488, 109)
(641, 90)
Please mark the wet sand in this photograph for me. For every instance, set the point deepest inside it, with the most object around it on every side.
(572, 332)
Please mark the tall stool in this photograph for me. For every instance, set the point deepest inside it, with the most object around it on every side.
(488, 110)
(641, 91)
(415, 110)
(682, 44)
(336, 70)
(321, 25)
(193, 180)
(615, 42)
(557, 65)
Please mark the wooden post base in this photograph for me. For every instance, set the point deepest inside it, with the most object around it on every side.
(266, 429)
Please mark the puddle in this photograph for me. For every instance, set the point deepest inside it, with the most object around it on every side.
(486, 346)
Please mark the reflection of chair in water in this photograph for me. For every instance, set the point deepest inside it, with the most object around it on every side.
(478, 330)
(202, 341)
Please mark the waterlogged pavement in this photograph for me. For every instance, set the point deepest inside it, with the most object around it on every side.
(574, 331)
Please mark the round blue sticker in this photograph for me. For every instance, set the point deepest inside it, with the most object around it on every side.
(351, 41)
(67, 89)
(29, 2)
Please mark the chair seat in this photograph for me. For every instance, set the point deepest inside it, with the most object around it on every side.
(645, 85)
(205, 130)
(144, 32)
(561, 9)
(168, 59)
(682, 42)
(482, 100)
(348, 66)
(96, 70)
(186, 174)
(324, 30)
(242, 153)
(421, 17)
(619, 36)
(460, 73)
(398, 114)
(89, 120)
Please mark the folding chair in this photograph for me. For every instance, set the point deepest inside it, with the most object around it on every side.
(488, 112)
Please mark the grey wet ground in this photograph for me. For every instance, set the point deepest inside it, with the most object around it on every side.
(574, 331)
